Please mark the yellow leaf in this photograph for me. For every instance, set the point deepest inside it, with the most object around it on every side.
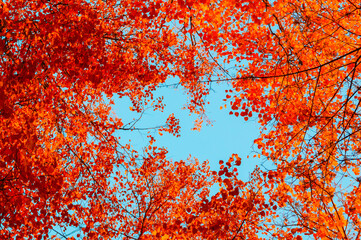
(165, 237)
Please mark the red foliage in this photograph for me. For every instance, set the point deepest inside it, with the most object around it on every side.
(63, 168)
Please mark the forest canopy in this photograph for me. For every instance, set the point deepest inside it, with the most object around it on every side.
(290, 65)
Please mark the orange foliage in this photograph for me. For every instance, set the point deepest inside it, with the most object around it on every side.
(62, 168)
(302, 81)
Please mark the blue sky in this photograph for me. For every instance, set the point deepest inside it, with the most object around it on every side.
(228, 134)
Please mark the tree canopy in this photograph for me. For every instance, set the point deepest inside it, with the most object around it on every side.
(292, 66)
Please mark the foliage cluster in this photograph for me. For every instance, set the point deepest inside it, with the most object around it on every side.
(295, 69)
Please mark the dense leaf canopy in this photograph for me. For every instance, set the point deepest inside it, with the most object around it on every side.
(292, 65)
